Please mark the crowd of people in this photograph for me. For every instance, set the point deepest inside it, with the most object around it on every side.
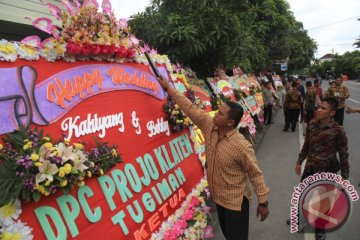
(325, 139)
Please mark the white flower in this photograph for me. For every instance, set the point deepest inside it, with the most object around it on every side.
(7, 51)
(79, 162)
(46, 171)
(28, 53)
(10, 212)
(66, 152)
(16, 231)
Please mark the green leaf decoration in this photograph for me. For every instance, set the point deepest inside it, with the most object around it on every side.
(36, 196)
(10, 184)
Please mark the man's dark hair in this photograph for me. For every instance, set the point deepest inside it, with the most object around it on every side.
(316, 81)
(333, 102)
(308, 83)
(235, 113)
(294, 84)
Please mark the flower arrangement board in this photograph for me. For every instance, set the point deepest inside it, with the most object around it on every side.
(118, 104)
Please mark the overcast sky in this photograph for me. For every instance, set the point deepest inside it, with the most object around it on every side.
(332, 24)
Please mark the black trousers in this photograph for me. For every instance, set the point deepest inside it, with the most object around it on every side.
(309, 115)
(234, 224)
(339, 116)
(291, 117)
(268, 114)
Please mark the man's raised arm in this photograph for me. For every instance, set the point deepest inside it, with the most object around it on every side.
(198, 116)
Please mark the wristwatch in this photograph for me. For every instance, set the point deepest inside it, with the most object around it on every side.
(265, 204)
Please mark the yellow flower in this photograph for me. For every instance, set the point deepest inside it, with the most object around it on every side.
(78, 145)
(40, 188)
(48, 145)
(67, 168)
(46, 193)
(113, 152)
(176, 107)
(26, 140)
(89, 174)
(47, 183)
(66, 141)
(1, 146)
(63, 183)
(80, 178)
(34, 157)
(27, 145)
(101, 171)
(61, 172)
(11, 236)
(47, 139)
(38, 164)
(92, 164)
(8, 210)
(81, 183)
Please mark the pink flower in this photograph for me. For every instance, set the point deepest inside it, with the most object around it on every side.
(194, 202)
(207, 209)
(73, 48)
(113, 49)
(105, 49)
(130, 53)
(208, 232)
(86, 49)
(95, 49)
(169, 234)
(188, 214)
(121, 52)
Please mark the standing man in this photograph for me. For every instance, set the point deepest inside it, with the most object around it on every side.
(292, 105)
(230, 162)
(319, 93)
(341, 93)
(310, 102)
(268, 102)
(324, 139)
(301, 89)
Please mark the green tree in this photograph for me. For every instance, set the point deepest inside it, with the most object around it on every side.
(202, 34)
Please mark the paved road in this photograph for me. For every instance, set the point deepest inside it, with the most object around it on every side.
(277, 154)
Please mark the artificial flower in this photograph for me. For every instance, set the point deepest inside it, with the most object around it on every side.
(16, 231)
(46, 171)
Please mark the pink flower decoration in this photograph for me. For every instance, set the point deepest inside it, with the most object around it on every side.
(69, 7)
(130, 53)
(208, 232)
(95, 49)
(86, 49)
(121, 52)
(134, 40)
(153, 51)
(73, 48)
(123, 24)
(90, 3)
(188, 214)
(77, 4)
(43, 24)
(194, 202)
(55, 10)
(32, 41)
(106, 6)
(55, 31)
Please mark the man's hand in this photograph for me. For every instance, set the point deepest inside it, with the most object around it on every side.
(298, 168)
(263, 212)
(164, 83)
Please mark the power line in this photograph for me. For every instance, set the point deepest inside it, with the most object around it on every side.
(333, 23)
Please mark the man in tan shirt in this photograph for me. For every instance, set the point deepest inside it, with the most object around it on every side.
(230, 162)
